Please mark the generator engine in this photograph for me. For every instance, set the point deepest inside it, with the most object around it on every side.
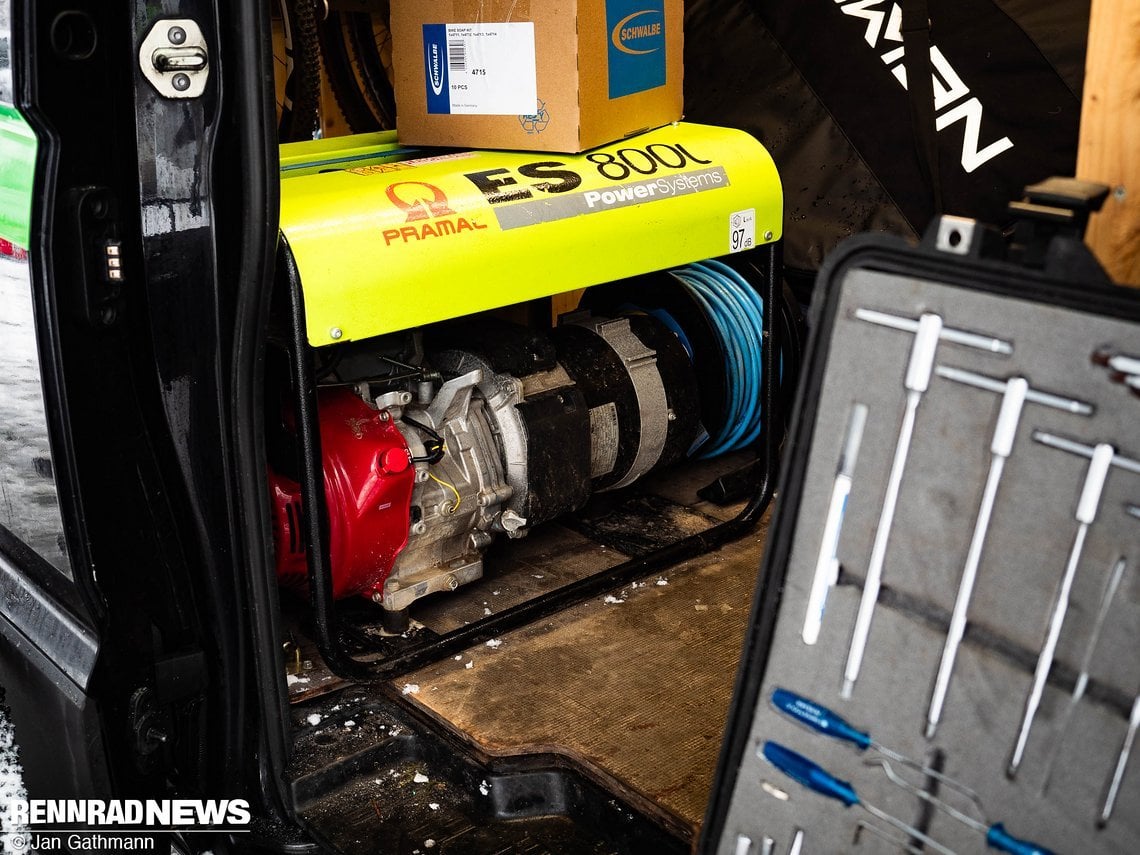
(501, 428)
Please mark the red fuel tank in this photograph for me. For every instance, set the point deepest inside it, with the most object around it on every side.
(368, 488)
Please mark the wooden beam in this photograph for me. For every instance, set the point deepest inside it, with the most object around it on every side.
(1109, 148)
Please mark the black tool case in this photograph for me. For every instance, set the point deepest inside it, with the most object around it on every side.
(1047, 299)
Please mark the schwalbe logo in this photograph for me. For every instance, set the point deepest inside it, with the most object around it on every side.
(435, 69)
(631, 29)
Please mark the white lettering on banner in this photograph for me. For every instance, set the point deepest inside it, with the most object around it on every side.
(949, 88)
(151, 813)
(971, 111)
(627, 193)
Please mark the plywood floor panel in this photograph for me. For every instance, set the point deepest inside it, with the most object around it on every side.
(638, 688)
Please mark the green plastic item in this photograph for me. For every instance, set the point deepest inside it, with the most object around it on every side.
(17, 171)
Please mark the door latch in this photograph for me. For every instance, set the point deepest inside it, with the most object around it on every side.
(174, 59)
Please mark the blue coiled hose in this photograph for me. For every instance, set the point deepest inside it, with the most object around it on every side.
(736, 314)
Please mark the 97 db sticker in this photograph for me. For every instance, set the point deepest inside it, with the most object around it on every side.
(742, 230)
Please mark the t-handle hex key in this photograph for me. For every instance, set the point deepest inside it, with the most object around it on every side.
(1101, 458)
(1015, 393)
(928, 331)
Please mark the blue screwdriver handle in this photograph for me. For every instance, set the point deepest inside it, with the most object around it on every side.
(799, 768)
(1000, 839)
(818, 718)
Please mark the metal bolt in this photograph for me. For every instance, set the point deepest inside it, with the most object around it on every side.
(421, 475)
(452, 583)
(335, 333)
(672, 416)
(1119, 193)
(153, 734)
(181, 82)
(177, 35)
(419, 528)
(768, 235)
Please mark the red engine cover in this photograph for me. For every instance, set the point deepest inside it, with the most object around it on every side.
(368, 487)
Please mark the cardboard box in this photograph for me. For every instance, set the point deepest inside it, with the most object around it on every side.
(539, 75)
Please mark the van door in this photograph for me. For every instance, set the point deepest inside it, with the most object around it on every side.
(48, 644)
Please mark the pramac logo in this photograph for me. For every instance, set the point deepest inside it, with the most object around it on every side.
(419, 204)
(427, 206)
(639, 33)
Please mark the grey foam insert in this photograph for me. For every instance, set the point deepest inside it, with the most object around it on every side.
(1029, 538)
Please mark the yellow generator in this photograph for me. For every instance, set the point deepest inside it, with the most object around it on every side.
(426, 404)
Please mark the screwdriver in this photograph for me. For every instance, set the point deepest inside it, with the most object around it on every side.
(799, 768)
(814, 777)
(827, 565)
(822, 720)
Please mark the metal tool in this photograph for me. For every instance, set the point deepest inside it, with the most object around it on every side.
(996, 835)
(827, 564)
(1123, 368)
(954, 336)
(1101, 458)
(1120, 363)
(928, 330)
(744, 845)
(767, 846)
(1112, 583)
(901, 842)
(822, 720)
(797, 842)
(1124, 364)
(1015, 393)
(1081, 450)
(814, 777)
(1113, 789)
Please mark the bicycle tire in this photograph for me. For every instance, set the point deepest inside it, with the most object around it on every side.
(342, 79)
(370, 68)
(300, 106)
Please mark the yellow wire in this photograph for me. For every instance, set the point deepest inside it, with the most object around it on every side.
(451, 487)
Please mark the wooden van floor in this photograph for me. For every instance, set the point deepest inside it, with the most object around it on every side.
(635, 686)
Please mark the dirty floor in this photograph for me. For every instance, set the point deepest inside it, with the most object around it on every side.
(635, 686)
